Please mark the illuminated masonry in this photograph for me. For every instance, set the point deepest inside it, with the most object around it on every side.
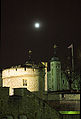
(24, 77)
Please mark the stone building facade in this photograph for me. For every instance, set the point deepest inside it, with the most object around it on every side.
(0, 78)
(30, 76)
(54, 75)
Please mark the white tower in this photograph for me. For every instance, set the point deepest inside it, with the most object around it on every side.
(55, 73)
(55, 67)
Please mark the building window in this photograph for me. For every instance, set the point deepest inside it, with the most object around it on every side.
(58, 66)
(52, 86)
(62, 95)
(52, 71)
(33, 69)
(25, 68)
(63, 81)
(24, 82)
(52, 80)
(35, 114)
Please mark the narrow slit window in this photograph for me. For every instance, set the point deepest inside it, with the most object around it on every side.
(24, 82)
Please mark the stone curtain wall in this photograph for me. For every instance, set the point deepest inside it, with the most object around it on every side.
(26, 106)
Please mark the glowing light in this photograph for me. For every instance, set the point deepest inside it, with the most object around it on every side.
(37, 25)
(69, 112)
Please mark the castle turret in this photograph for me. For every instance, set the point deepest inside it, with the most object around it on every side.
(29, 75)
(55, 72)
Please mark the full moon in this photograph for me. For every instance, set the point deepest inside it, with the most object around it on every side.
(37, 25)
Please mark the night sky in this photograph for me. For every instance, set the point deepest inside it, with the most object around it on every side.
(60, 25)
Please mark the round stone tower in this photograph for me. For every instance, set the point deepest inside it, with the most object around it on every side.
(30, 75)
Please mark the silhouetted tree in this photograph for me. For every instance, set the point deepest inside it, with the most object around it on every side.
(73, 79)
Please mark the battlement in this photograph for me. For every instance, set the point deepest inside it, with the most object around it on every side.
(12, 72)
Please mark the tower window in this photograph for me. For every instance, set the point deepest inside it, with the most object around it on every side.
(35, 114)
(25, 68)
(52, 79)
(33, 69)
(63, 81)
(52, 71)
(62, 95)
(52, 86)
(24, 82)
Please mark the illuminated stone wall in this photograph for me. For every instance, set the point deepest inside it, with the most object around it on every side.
(16, 77)
(49, 80)
(55, 75)
(0, 80)
(45, 64)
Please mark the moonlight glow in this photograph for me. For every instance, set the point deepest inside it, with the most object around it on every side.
(37, 25)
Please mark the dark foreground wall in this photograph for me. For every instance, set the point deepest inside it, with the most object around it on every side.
(24, 105)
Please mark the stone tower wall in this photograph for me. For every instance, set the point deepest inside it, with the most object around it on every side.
(23, 78)
(55, 75)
